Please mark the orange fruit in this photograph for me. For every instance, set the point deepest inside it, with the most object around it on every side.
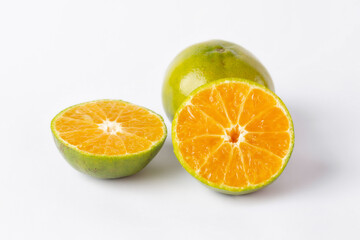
(233, 135)
(108, 138)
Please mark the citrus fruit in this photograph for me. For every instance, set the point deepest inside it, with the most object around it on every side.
(108, 138)
(205, 62)
(233, 135)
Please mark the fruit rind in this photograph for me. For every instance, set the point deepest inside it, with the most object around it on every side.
(223, 188)
(102, 166)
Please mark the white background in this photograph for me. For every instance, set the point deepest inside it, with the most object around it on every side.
(54, 54)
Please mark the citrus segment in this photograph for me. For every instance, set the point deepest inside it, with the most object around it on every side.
(195, 150)
(260, 165)
(72, 124)
(256, 102)
(214, 167)
(110, 132)
(272, 120)
(209, 101)
(113, 146)
(112, 111)
(275, 142)
(77, 137)
(195, 123)
(90, 113)
(237, 177)
(232, 96)
(237, 144)
(134, 143)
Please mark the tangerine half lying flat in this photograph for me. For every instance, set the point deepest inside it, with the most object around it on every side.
(233, 135)
(108, 138)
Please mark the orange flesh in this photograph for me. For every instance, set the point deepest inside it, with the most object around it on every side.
(233, 134)
(109, 127)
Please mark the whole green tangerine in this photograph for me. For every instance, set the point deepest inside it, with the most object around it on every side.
(206, 62)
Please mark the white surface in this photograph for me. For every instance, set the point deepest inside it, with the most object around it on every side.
(54, 54)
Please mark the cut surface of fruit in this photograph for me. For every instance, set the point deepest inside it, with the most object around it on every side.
(233, 135)
(113, 130)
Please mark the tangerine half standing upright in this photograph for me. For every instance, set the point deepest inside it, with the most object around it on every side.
(233, 135)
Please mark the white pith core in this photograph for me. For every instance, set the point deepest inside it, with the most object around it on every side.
(235, 134)
(110, 127)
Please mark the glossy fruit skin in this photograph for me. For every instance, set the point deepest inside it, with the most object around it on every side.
(106, 166)
(206, 62)
(102, 166)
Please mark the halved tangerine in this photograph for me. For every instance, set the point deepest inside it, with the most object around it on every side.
(108, 138)
(233, 135)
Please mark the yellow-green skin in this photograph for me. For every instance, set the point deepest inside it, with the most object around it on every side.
(102, 166)
(224, 188)
(206, 62)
